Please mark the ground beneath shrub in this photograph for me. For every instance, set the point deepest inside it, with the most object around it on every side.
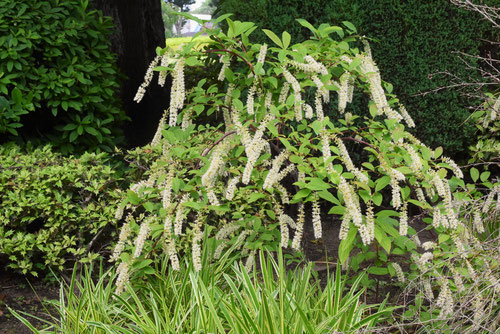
(26, 295)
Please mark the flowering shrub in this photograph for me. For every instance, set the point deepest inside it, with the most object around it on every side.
(275, 158)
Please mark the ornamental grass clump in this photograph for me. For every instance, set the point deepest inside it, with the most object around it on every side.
(268, 157)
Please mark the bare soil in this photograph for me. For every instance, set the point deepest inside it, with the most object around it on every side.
(26, 295)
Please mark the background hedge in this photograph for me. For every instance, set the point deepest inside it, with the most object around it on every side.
(414, 39)
(58, 79)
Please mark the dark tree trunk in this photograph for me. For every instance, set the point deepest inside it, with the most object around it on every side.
(139, 31)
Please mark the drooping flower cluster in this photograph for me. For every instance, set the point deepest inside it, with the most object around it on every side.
(147, 80)
(178, 91)
(348, 162)
(316, 218)
(197, 237)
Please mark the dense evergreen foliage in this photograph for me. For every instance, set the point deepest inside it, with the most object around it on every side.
(413, 40)
(58, 79)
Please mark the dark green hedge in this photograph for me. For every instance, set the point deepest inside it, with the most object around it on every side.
(58, 79)
(414, 39)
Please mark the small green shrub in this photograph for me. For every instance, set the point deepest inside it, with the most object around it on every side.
(58, 78)
(52, 206)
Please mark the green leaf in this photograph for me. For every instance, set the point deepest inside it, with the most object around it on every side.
(307, 25)
(437, 152)
(317, 184)
(17, 96)
(474, 174)
(133, 198)
(443, 238)
(273, 37)
(383, 239)
(378, 271)
(382, 183)
(72, 136)
(191, 61)
(326, 195)
(286, 39)
(377, 198)
(91, 130)
(350, 26)
(484, 176)
(255, 196)
(347, 244)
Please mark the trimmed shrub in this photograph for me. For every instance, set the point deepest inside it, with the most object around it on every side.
(413, 40)
(58, 78)
(52, 206)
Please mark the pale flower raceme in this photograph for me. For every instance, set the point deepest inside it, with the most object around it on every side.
(348, 162)
(403, 220)
(141, 237)
(344, 226)
(428, 290)
(284, 92)
(212, 197)
(119, 212)
(147, 80)
(445, 300)
(268, 100)
(162, 77)
(309, 112)
(274, 171)
(317, 66)
(409, 121)
(124, 234)
(250, 99)
(172, 253)
(478, 222)
(249, 263)
(367, 47)
(285, 198)
(262, 54)
(216, 161)
(370, 220)
(282, 219)
(327, 153)
(316, 217)
(231, 187)
(224, 59)
(399, 272)
(197, 236)
(298, 107)
(179, 214)
(227, 230)
(456, 170)
(186, 118)
(123, 277)
(429, 245)
(299, 230)
(319, 106)
(416, 163)
(178, 91)
(167, 190)
(343, 91)
(321, 89)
